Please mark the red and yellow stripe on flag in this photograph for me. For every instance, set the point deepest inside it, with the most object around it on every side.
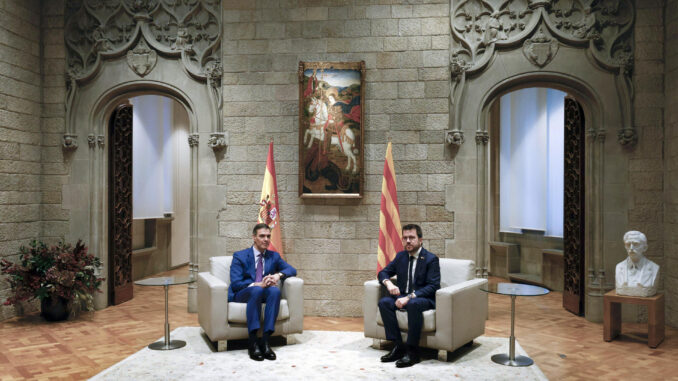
(390, 233)
(269, 208)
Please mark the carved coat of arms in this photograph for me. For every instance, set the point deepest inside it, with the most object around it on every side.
(541, 48)
(142, 59)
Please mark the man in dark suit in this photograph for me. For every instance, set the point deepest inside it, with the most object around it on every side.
(255, 273)
(418, 272)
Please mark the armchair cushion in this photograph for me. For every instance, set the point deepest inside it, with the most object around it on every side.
(401, 315)
(237, 312)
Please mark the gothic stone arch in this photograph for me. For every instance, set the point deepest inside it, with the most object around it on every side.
(501, 45)
(118, 49)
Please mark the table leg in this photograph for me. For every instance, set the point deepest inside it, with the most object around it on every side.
(655, 323)
(611, 319)
(511, 359)
(167, 344)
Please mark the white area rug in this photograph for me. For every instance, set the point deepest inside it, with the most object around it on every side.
(317, 355)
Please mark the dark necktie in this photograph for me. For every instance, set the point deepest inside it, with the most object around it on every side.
(260, 268)
(410, 278)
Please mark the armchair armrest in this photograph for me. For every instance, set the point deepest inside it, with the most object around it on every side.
(461, 311)
(212, 305)
(293, 291)
(370, 307)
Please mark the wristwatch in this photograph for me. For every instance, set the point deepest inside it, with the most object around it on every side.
(412, 295)
(282, 276)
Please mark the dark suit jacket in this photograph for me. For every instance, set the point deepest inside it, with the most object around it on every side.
(243, 269)
(426, 275)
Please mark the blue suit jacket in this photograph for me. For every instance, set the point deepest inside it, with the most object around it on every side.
(243, 269)
(426, 275)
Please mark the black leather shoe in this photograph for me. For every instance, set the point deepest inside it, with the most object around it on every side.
(255, 352)
(268, 353)
(410, 358)
(395, 354)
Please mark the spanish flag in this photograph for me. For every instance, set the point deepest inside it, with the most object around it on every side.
(269, 208)
(390, 233)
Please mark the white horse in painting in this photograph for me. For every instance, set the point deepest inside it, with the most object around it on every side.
(345, 142)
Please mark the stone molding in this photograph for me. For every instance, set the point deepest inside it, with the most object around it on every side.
(604, 28)
(144, 31)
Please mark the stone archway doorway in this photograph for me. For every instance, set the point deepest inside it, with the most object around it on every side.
(148, 197)
(537, 190)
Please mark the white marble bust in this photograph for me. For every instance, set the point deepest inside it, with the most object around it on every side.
(636, 275)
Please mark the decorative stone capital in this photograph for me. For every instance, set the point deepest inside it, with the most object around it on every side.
(193, 140)
(101, 140)
(70, 142)
(457, 67)
(454, 137)
(600, 135)
(213, 73)
(627, 137)
(91, 141)
(217, 141)
(482, 137)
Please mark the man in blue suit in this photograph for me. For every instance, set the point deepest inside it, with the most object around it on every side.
(418, 272)
(255, 273)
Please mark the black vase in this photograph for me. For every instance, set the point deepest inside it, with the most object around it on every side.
(54, 308)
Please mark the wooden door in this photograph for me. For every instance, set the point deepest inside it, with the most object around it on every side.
(120, 205)
(573, 216)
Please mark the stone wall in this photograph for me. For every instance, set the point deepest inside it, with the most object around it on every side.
(55, 164)
(645, 160)
(670, 269)
(333, 243)
(20, 127)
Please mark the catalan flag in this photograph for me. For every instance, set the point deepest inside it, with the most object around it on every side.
(269, 208)
(390, 232)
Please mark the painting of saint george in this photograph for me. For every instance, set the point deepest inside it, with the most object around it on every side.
(331, 131)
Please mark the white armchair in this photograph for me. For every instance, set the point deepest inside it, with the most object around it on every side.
(459, 316)
(222, 320)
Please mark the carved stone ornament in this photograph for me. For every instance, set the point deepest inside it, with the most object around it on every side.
(142, 59)
(96, 30)
(482, 137)
(101, 140)
(602, 27)
(454, 137)
(91, 140)
(627, 137)
(193, 140)
(70, 142)
(217, 141)
(541, 48)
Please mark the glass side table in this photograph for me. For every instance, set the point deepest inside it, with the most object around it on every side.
(513, 290)
(166, 281)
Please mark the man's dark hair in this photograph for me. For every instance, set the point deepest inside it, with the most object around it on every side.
(259, 226)
(414, 227)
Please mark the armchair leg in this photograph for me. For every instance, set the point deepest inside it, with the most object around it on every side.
(444, 355)
(222, 345)
(290, 339)
(379, 343)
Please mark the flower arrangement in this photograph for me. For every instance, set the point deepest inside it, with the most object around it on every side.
(62, 270)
